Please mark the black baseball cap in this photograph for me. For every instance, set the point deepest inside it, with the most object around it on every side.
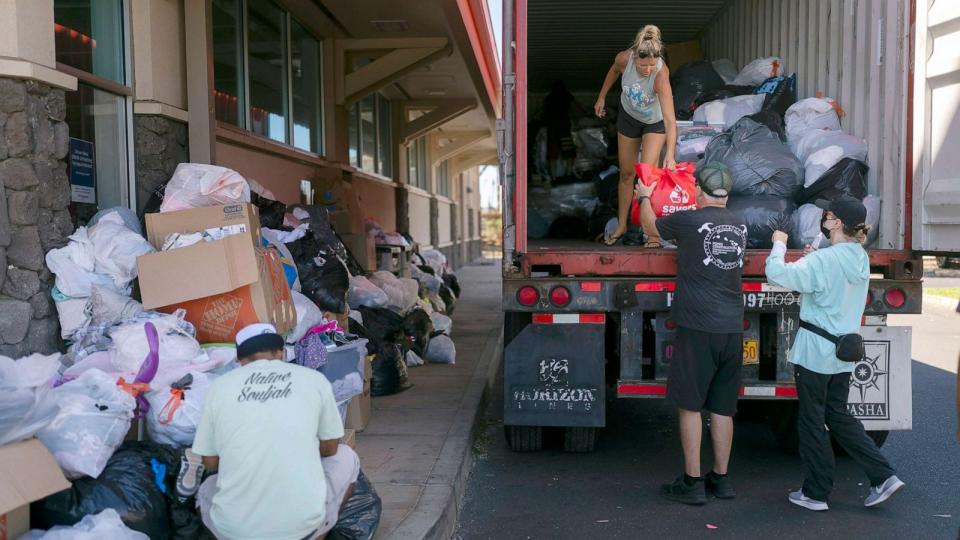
(714, 179)
(849, 210)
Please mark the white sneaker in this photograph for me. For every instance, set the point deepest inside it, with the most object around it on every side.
(883, 492)
(799, 499)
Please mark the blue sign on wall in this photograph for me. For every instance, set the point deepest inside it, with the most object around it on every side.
(83, 172)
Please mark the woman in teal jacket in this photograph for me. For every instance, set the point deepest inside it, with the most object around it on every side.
(833, 284)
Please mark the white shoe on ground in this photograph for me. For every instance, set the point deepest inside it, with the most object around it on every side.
(798, 498)
(883, 492)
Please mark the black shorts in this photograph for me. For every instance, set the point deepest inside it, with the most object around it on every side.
(705, 371)
(629, 126)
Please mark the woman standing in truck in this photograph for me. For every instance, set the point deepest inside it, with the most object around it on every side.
(646, 120)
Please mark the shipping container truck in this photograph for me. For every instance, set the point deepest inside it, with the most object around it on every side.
(583, 321)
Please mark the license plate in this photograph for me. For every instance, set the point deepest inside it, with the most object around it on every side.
(751, 352)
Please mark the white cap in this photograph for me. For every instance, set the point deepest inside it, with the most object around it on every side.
(254, 330)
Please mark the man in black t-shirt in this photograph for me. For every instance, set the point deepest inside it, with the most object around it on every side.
(708, 309)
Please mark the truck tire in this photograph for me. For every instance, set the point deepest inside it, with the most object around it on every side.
(579, 439)
(782, 419)
(524, 438)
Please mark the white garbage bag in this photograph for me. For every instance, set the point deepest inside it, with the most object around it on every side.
(441, 350)
(413, 360)
(195, 185)
(71, 311)
(872, 202)
(75, 264)
(116, 248)
(429, 281)
(364, 293)
(401, 294)
(821, 149)
(728, 111)
(308, 316)
(437, 260)
(94, 419)
(130, 347)
(175, 410)
(810, 113)
(442, 323)
(24, 389)
(106, 525)
(758, 71)
(110, 307)
(805, 225)
(726, 69)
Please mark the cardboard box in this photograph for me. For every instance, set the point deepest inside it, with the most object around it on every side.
(219, 316)
(224, 285)
(27, 473)
(329, 191)
(363, 248)
(243, 217)
(359, 409)
(679, 54)
(349, 438)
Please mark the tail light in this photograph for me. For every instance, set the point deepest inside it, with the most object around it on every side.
(560, 296)
(869, 298)
(670, 324)
(528, 296)
(746, 324)
(895, 297)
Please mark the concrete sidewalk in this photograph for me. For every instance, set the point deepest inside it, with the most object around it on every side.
(417, 447)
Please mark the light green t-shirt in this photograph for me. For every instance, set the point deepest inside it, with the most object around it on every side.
(265, 421)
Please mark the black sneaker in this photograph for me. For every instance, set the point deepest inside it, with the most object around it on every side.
(679, 491)
(720, 486)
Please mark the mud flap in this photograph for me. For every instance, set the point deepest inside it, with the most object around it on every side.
(554, 376)
(881, 384)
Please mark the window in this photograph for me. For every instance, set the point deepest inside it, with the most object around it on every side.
(267, 73)
(417, 163)
(370, 136)
(90, 43)
(443, 179)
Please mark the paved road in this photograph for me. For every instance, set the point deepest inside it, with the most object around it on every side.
(612, 493)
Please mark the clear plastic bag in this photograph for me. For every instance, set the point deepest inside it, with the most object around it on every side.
(808, 114)
(177, 344)
(435, 259)
(106, 525)
(175, 410)
(726, 69)
(93, 420)
(116, 248)
(758, 71)
(308, 316)
(819, 150)
(25, 407)
(364, 293)
(441, 350)
(195, 185)
(728, 111)
(442, 323)
(106, 306)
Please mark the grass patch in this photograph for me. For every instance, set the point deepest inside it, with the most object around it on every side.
(948, 292)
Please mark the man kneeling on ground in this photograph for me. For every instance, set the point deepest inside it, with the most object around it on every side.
(272, 432)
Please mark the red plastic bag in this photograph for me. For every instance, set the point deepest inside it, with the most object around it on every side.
(675, 192)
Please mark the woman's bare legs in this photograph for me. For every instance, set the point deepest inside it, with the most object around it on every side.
(651, 146)
(628, 149)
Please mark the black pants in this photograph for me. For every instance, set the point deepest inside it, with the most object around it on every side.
(823, 400)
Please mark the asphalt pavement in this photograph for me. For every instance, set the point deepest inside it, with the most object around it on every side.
(613, 492)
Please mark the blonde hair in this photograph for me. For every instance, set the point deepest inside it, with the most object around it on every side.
(648, 42)
(858, 232)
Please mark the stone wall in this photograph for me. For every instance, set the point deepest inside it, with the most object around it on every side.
(34, 216)
(161, 144)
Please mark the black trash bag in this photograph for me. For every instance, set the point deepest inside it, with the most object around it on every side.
(360, 516)
(389, 371)
(847, 177)
(154, 200)
(689, 81)
(608, 186)
(426, 268)
(359, 330)
(450, 280)
(569, 227)
(417, 326)
(449, 300)
(128, 484)
(781, 94)
(601, 215)
(724, 92)
(271, 212)
(760, 163)
(327, 285)
(764, 214)
(772, 120)
(382, 326)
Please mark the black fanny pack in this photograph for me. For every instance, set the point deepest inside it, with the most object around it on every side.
(849, 346)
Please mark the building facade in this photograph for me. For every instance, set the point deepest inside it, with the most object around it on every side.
(101, 99)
